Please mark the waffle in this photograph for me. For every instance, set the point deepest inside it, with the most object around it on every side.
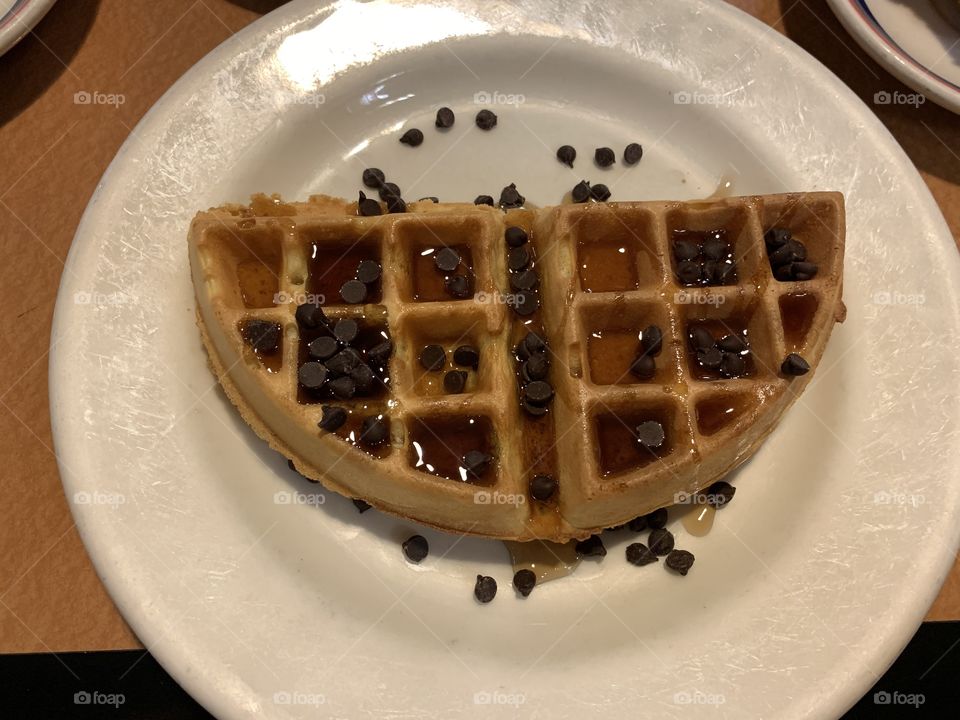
(606, 270)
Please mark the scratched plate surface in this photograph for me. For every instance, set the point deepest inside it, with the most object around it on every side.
(264, 597)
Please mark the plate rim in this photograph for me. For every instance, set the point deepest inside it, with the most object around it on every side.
(29, 13)
(895, 60)
(124, 594)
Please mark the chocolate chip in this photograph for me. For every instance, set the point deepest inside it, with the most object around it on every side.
(510, 197)
(346, 330)
(580, 192)
(323, 347)
(485, 589)
(445, 118)
(660, 541)
(524, 280)
(651, 340)
(638, 524)
(539, 392)
(709, 358)
(380, 353)
(803, 270)
(700, 338)
(368, 271)
(535, 367)
(486, 120)
(720, 493)
(604, 157)
(656, 519)
(518, 259)
(724, 273)
(476, 463)
(680, 561)
(373, 178)
(733, 343)
(714, 248)
(416, 548)
(632, 153)
(353, 292)
(793, 364)
(483, 200)
(396, 204)
(433, 357)
(374, 431)
(566, 154)
(643, 367)
(542, 487)
(312, 375)
(531, 409)
(310, 316)
(344, 362)
(515, 236)
(685, 250)
(776, 237)
(688, 272)
(531, 343)
(363, 378)
(412, 137)
(466, 356)
(732, 365)
(526, 302)
(446, 259)
(790, 251)
(389, 190)
(639, 554)
(591, 547)
(361, 505)
(524, 581)
(333, 418)
(650, 435)
(458, 286)
(343, 387)
(454, 381)
(600, 192)
(431, 198)
(368, 207)
(262, 335)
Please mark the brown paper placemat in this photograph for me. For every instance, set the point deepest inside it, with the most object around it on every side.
(55, 152)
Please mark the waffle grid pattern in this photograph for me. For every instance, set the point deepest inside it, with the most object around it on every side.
(585, 410)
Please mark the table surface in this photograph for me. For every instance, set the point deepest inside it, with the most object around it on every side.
(50, 596)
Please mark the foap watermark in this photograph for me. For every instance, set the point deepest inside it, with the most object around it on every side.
(299, 298)
(497, 298)
(100, 299)
(895, 297)
(498, 697)
(95, 697)
(702, 297)
(295, 697)
(884, 497)
(484, 97)
(98, 497)
(898, 698)
(897, 97)
(684, 97)
(291, 97)
(495, 497)
(699, 498)
(696, 697)
(286, 497)
(84, 97)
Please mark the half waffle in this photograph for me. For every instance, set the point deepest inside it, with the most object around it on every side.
(605, 270)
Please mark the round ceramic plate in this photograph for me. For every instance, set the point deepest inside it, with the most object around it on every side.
(264, 596)
(918, 42)
(18, 17)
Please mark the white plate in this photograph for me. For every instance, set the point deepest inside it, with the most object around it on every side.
(813, 579)
(914, 40)
(18, 17)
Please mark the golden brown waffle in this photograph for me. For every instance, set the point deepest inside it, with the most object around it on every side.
(606, 272)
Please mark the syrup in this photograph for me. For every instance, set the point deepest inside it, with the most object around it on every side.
(797, 312)
(547, 560)
(259, 280)
(438, 445)
(716, 413)
(330, 265)
(607, 266)
(611, 353)
(429, 282)
(617, 447)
